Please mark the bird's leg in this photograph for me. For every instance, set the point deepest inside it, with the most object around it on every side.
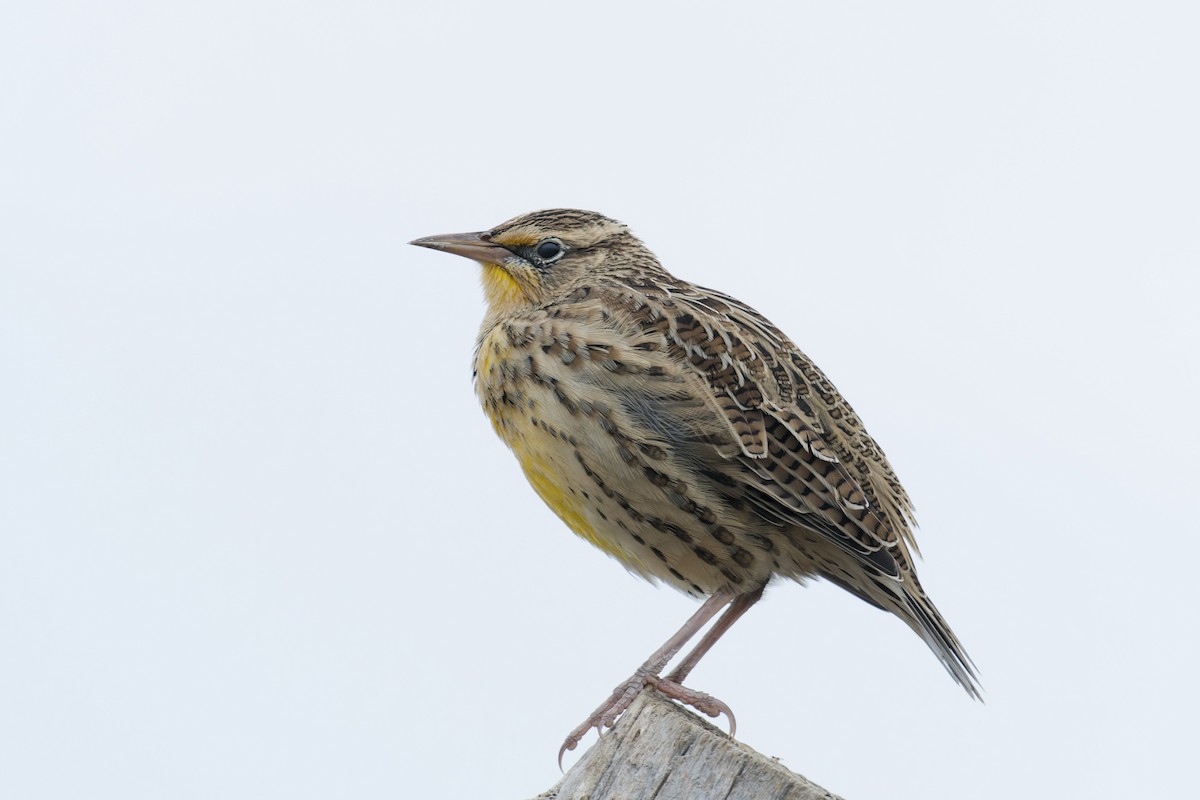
(740, 605)
(672, 685)
(647, 674)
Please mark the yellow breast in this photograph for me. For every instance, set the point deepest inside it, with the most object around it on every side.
(545, 476)
(548, 460)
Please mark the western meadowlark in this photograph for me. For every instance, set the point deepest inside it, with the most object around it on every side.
(682, 433)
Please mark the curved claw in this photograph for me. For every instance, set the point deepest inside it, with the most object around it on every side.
(721, 708)
(567, 745)
(701, 701)
(606, 715)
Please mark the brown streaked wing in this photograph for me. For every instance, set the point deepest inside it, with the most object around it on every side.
(812, 462)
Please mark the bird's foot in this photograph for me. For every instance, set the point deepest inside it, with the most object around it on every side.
(606, 715)
(701, 701)
(623, 696)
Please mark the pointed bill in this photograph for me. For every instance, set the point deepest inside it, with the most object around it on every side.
(474, 246)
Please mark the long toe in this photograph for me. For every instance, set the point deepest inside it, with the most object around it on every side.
(606, 715)
(701, 701)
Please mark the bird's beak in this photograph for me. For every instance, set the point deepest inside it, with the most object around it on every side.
(468, 245)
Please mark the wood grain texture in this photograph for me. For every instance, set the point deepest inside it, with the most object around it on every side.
(660, 751)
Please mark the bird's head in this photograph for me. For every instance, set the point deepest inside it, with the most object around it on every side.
(537, 258)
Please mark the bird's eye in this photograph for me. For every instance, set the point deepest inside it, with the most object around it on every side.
(549, 250)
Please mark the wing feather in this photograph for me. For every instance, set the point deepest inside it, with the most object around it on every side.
(812, 462)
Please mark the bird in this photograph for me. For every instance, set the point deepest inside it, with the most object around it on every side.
(682, 433)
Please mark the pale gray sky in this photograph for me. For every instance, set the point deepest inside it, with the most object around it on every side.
(257, 540)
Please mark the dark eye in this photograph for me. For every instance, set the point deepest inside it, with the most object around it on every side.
(549, 250)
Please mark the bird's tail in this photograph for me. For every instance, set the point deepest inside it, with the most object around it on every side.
(908, 601)
(922, 616)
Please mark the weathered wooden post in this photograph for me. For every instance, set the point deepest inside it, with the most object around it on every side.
(660, 750)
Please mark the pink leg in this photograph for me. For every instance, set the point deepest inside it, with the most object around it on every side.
(672, 685)
(604, 716)
(740, 605)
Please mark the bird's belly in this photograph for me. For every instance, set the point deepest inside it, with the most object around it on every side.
(576, 466)
(617, 483)
(553, 462)
(558, 480)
